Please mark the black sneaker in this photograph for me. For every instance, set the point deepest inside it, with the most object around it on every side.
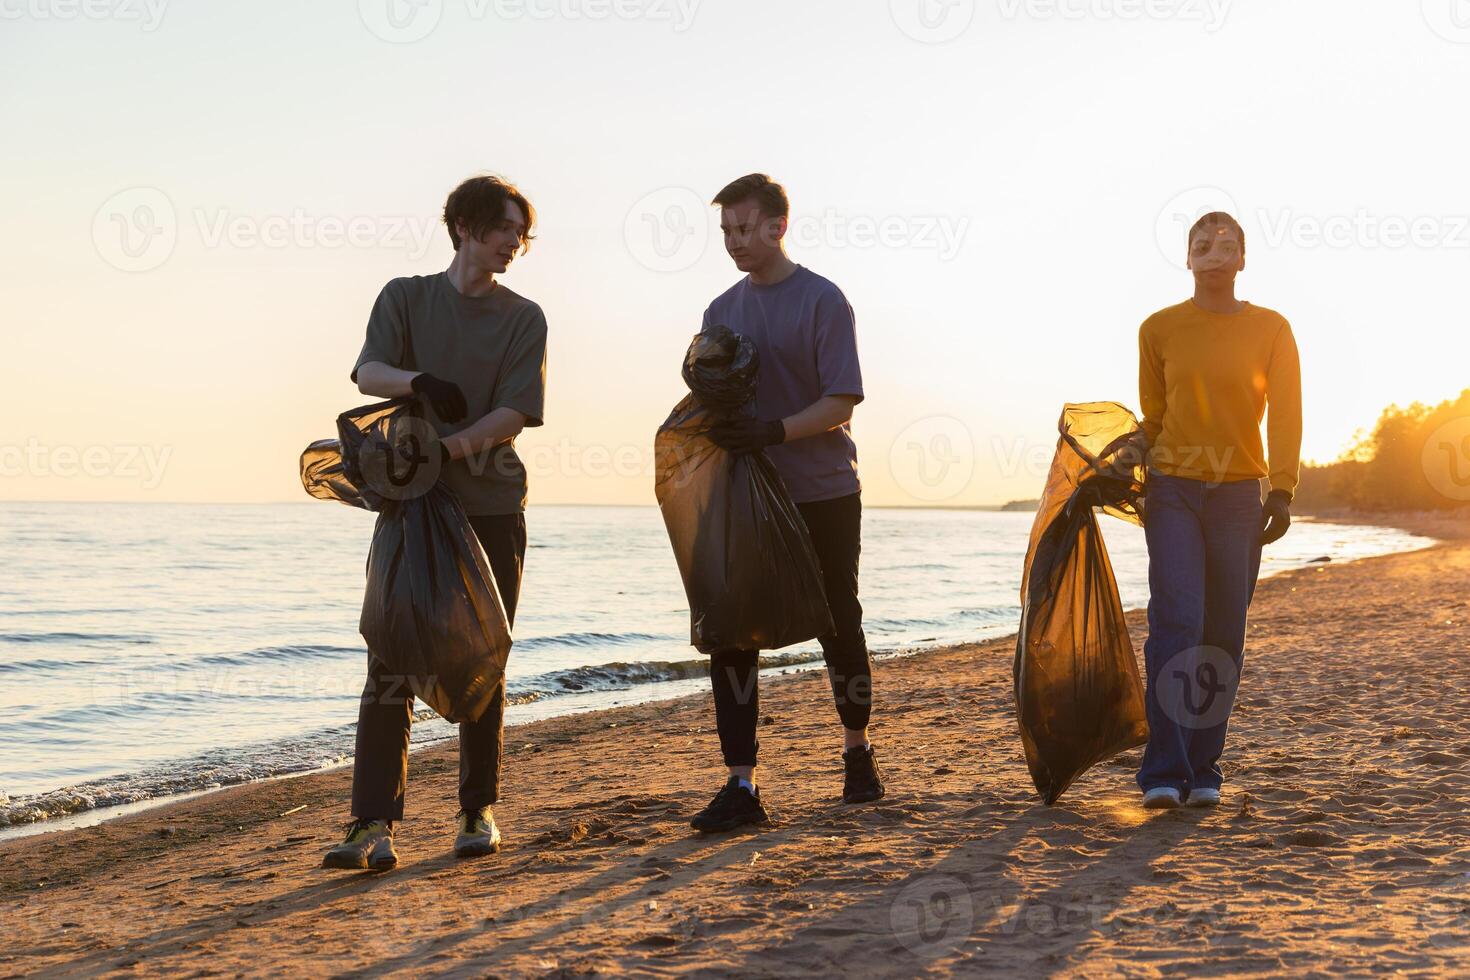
(862, 783)
(733, 806)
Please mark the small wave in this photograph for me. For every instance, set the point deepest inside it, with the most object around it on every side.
(68, 637)
(901, 623)
(304, 651)
(589, 640)
(622, 676)
(47, 666)
(211, 770)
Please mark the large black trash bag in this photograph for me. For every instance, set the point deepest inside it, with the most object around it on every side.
(431, 612)
(743, 550)
(1079, 699)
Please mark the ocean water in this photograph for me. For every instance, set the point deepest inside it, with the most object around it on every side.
(158, 649)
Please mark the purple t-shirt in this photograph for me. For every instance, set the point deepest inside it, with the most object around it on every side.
(804, 330)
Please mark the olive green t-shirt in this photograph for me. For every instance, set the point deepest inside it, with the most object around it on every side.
(492, 346)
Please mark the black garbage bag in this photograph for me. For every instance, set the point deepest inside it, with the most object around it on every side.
(743, 550)
(1079, 699)
(431, 612)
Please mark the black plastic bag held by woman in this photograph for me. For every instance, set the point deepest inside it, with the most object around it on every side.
(1079, 699)
(747, 561)
(431, 612)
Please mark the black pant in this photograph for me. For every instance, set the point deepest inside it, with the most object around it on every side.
(836, 531)
(380, 768)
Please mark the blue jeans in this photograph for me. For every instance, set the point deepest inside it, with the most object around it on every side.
(1204, 553)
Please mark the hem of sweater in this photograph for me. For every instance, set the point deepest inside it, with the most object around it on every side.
(1206, 476)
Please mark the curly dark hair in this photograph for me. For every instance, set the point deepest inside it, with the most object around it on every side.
(479, 203)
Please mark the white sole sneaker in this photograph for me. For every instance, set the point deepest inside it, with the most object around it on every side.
(1161, 798)
(1203, 798)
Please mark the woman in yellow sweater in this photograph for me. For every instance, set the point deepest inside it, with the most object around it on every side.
(1208, 370)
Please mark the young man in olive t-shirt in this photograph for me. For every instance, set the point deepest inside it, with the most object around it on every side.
(475, 353)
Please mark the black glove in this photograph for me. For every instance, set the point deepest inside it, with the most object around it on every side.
(1275, 516)
(445, 397)
(745, 436)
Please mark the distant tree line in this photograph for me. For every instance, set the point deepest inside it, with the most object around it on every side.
(1415, 458)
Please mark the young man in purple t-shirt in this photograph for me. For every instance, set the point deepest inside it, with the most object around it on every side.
(806, 388)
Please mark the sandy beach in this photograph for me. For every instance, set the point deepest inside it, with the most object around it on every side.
(1343, 847)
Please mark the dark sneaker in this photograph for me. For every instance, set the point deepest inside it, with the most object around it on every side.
(862, 783)
(478, 834)
(369, 844)
(733, 806)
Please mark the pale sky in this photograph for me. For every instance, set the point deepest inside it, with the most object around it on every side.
(1001, 187)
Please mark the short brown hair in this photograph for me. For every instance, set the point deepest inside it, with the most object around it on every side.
(769, 195)
(1218, 219)
(479, 203)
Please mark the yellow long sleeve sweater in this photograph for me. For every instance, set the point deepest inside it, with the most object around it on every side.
(1205, 381)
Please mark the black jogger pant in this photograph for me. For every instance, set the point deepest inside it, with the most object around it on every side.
(835, 527)
(380, 768)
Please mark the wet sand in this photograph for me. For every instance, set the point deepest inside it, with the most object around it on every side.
(1343, 846)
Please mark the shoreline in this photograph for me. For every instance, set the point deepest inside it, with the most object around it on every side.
(661, 690)
(1348, 809)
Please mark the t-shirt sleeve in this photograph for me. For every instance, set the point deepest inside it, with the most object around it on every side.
(522, 381)
(837, 355)
(387, 331)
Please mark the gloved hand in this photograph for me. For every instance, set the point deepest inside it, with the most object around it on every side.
(444, 396)
(745, 436)
(1275, 516)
